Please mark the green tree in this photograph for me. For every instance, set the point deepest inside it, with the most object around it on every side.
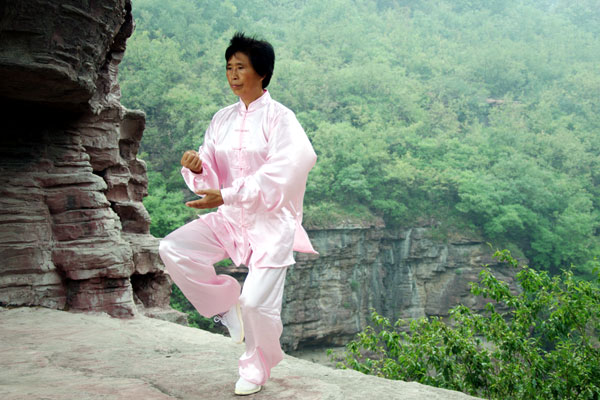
(166, 208)
(539, 343)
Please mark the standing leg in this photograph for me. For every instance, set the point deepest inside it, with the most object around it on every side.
(261, 310)
(189, 254)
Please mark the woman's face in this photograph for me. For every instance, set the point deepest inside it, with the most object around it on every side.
(243, 79)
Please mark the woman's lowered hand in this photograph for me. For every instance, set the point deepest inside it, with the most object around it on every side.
(212, 199)
(192, 161)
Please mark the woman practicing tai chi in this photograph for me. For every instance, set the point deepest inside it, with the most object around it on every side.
(253, 166)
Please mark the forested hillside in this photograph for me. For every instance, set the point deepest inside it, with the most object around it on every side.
(483, 115)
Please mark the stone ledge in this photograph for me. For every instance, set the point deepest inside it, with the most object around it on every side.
(50, 354)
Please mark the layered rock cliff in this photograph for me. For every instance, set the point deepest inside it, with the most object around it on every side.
(401, 273)
(73, 231)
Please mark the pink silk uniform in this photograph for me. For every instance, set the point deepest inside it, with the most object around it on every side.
(259, 158)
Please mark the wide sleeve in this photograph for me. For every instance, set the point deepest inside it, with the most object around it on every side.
(282, 178)
(209, 177)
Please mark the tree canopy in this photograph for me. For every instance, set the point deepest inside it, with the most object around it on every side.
(483, 115)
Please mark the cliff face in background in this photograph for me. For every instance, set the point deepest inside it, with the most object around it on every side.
(401, 273)
(73, 231)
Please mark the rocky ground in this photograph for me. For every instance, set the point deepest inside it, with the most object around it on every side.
(50, 354)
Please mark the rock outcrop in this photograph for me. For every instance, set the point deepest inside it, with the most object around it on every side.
(52, 52)
(73, 231)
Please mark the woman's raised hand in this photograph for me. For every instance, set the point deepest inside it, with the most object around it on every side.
(192, 161)
(212, 199)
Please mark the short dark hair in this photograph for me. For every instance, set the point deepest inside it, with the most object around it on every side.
(260, 53)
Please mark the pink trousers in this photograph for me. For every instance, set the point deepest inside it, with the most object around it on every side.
(189, 254)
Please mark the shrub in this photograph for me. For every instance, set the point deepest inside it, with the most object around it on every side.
(544, 344)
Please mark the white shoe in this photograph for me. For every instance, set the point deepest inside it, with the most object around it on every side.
(232, 319)
(243, 387)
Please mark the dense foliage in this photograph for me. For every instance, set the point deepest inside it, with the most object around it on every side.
(543, 347)
(483, 115)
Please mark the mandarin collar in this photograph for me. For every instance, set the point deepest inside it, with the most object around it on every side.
(256, 104)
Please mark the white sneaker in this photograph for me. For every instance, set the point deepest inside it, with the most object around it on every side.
(232, 319)
(243, 387)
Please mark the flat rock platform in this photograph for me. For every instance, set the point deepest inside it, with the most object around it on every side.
(49, 354)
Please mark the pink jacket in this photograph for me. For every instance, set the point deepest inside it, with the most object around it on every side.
(260, 158)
